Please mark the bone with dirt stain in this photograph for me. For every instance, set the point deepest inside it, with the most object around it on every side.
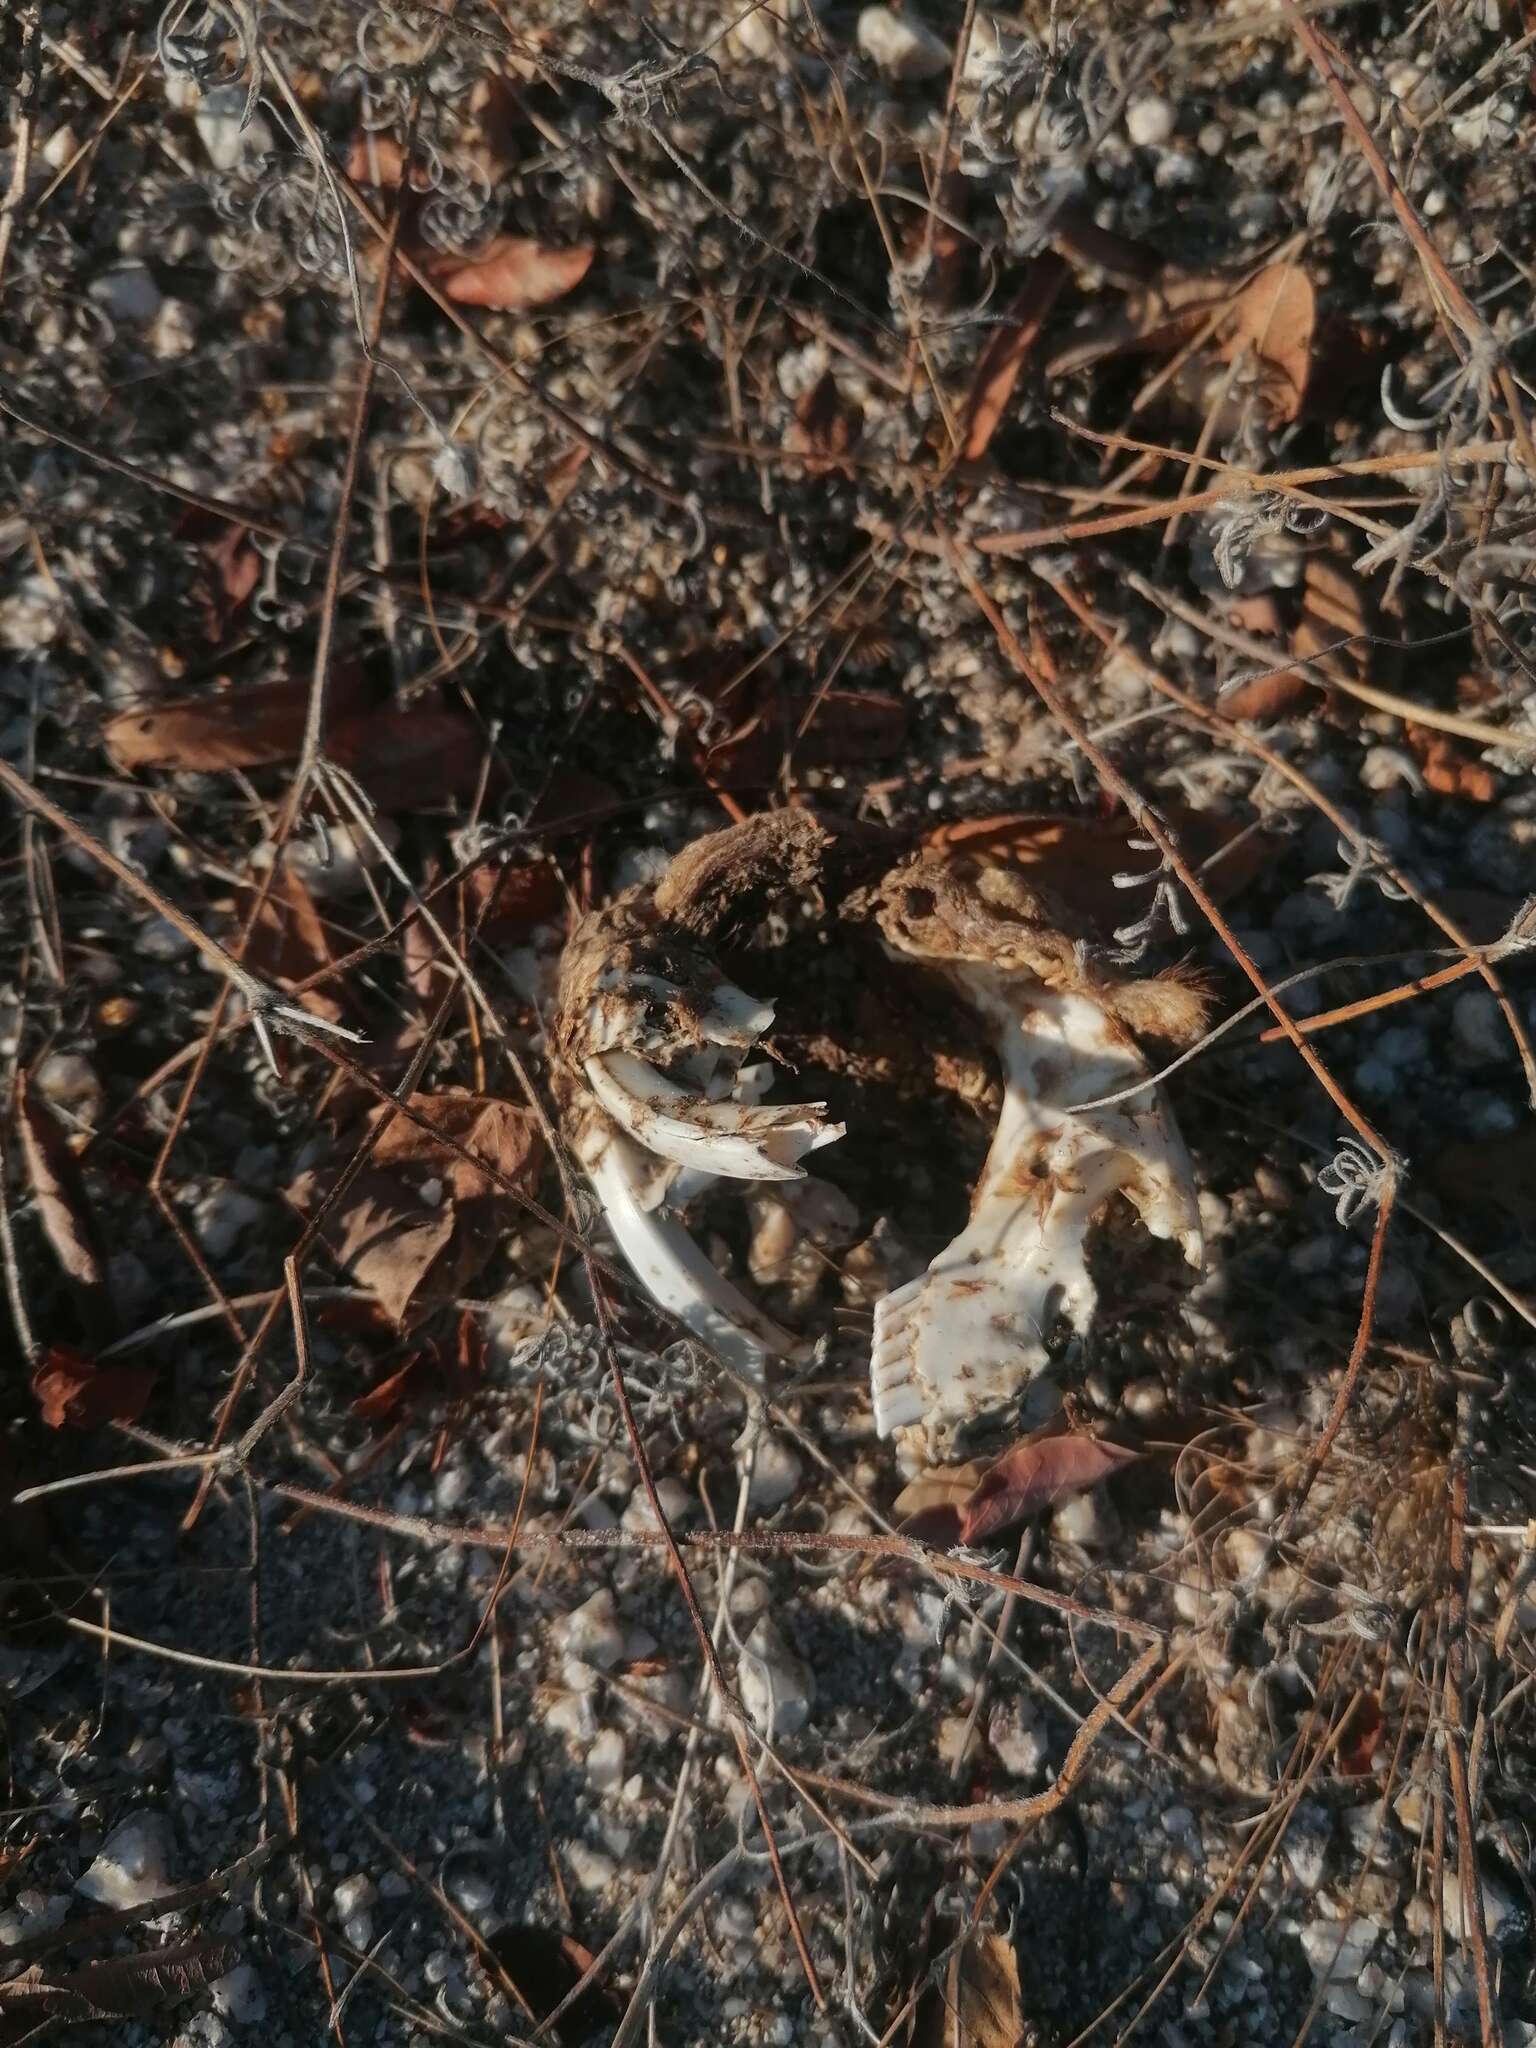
(973, 1337)
(649, 1040)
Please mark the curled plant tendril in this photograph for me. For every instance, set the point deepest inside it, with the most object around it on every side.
(202, 55)
(1134, 939)
(1363, 862)
(1241, 523)
(268, 603)
(1357, 1179)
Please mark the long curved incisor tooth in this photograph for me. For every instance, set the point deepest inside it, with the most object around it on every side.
(735, 1139)
(675, 1273)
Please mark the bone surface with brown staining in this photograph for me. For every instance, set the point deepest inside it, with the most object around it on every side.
(649, 1041)
(973, 1337)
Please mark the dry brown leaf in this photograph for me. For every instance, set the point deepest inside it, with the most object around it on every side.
(1275, 316)
(64, 1207)
(1157, 321)
(512, 274)
(122, 1987)
(824, 428)
(412, 759)
(507, 902)
(288, 942)
(1449, 766)
(945, 1486)
(376, 160)
(234, 728)
(1035, 1475)
(501, 1133)
(1361, 1737)
(73, 1391)
(419, 1222)
(982, 2005)
(1006, 352)
(453, 1371)
(386, 1237)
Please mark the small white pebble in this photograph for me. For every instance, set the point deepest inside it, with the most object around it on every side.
(221, 1218)
(472, 1892)
(353, 1893)
(605, 1763)
(592, 1633)
(173, 331)
(239, 1996)
(133, 1865)
(901, 45)
(1149, 121)
(159, 939)
(592, 1870)
(775, 1474)
(218, 118)
(776, 1688)
(129, 294)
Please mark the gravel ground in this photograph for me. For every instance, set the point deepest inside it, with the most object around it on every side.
(454, 460)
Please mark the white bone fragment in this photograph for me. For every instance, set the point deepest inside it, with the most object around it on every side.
(673, 1270)
(973, 1337)
(732, 1139)
(968, 1336)
(650, 1040)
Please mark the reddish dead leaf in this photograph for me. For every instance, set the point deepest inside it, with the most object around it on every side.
(1275, 317)
(507, 902)
(938, 1526)
(1035, 1475)
(63, 1206)
(825, 427)
(1266, 696)
(376, 160)
(1156, 321)
(288, 942)
(404, 1386)
(571, 801)
(388, 1237)
(977, 2003)
(413, 759)
(512, 274)
(419, 1222)
(502, 1134)
(1121, 258)
(1362, 1734)
(233, 728)
(232, 572)
(854, 725)
(1449, 766)
(441, 1371)
(498, 127)
(1007, 351)
(74, 1392)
